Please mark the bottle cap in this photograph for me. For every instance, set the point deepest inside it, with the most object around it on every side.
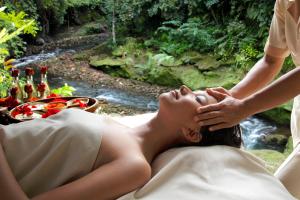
(29, 71)
(15, 73)
(44, 69)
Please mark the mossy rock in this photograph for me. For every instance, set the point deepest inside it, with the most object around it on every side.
(163, 76)
(279, 115)
(273, 159)
(190, 76)
(96, 62)
(224, 76)
(166, 60)
(274, 140)
(191, 58)
(113, 67)
(208, 63)
(289, 147)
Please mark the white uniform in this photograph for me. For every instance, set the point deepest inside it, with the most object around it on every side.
(46, 153)
(284, 40)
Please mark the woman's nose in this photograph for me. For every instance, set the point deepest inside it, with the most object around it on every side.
(185, 90)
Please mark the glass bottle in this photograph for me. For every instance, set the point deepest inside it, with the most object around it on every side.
(13, 101)
(44, 85)
(29, 93)
(29, 81)
(42, 91)
(16, 84)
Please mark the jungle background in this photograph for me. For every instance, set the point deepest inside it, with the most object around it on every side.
(199, 43)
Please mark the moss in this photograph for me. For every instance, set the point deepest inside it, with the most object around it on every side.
(166, 60)
(273, 159)
(289, 147)
(114, 67)
(189, 76)
(130, 47)
(163, 76)
(279, 115)
(96, 62)
(208, 63)
(191, 58)
(274, 140)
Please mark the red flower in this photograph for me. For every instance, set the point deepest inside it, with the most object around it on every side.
(24, 109)
(29, 71)
(15, 73)
(50, 112)
(52, 95)
(44, 69)
(81, 104)
(57, 100)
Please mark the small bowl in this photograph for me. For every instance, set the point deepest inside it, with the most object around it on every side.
(92, 105)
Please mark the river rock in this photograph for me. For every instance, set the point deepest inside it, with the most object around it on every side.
(166, 60)
(40, 41)
(208, 63)
(114, 67)
(274, 140)
(163, 76)
(202, 62)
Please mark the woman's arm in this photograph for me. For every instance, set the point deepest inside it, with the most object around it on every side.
(9, 187)
(110, 181)
(230, 111)
(263, 72)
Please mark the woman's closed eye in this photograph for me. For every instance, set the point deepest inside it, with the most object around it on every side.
(201, 99)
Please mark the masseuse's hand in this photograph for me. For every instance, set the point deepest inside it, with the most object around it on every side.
(227, 113)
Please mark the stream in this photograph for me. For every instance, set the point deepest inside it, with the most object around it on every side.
(254, 128)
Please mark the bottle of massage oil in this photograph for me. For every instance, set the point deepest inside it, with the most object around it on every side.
(16, 86)
(43, 88)
(29, 88)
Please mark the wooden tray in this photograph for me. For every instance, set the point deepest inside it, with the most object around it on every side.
(42, 106)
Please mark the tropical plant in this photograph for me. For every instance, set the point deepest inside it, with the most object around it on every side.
(12, 25)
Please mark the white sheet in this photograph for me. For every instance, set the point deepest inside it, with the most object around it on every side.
(207, 173)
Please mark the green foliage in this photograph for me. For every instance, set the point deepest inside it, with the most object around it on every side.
(64, 91)
(175, 38)
(12, 24)
(5, 82)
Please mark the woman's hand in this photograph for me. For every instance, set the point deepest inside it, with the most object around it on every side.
(227, 113)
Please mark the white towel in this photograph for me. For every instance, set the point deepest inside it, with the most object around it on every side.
(46, 153)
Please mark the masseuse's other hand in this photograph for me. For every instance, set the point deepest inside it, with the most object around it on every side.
(227, 113)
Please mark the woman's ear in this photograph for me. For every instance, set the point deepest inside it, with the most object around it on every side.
(191, 135)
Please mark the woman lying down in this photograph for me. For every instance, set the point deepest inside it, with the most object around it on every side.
(76, 155)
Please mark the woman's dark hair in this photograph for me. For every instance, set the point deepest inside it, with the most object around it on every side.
(227, 136)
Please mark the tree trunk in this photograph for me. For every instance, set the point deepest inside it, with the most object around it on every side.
(114, 24)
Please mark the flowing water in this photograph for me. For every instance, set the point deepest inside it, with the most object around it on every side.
(254, 128)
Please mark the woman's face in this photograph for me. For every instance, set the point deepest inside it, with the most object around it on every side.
(180, 105)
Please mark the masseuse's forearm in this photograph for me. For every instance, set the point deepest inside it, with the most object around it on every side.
(9, 187)
(263, 72)
(279, 92)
